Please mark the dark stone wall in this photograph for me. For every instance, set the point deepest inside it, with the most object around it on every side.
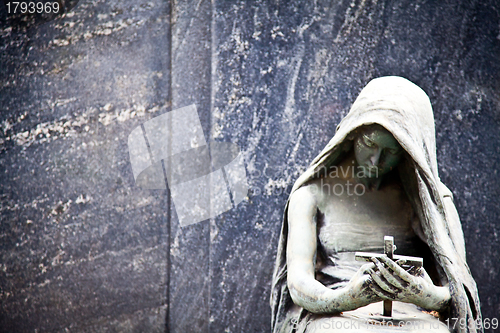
(82, 249)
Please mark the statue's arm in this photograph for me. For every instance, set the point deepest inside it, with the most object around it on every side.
(305, 290)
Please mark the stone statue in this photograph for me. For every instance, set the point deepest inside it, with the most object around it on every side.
(377, 177)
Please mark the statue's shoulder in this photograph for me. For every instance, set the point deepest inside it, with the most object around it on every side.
(305, 192)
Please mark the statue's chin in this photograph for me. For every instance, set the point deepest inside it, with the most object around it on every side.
(371, 172)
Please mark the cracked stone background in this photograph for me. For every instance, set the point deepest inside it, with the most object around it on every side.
(82, 249)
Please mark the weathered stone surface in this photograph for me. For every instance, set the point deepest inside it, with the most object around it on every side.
(189, 273)
(82, 249)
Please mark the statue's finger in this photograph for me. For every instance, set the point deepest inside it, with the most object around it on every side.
(396, 281)
(366, 267)
(396, 269)
(382, 283)
(363, 270)
(375, 288)
(424, 275)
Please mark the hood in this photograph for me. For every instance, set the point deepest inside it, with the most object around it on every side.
(402, 108)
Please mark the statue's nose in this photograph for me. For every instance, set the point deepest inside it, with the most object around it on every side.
(375, 157)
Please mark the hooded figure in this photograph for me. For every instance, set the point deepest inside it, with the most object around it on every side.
(404, 110)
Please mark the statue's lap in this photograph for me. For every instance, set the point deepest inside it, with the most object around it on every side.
(405, 318)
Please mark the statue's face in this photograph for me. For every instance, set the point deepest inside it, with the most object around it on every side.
(377, 151)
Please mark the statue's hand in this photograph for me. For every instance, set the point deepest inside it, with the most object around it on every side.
(359, 290)
(394, 283)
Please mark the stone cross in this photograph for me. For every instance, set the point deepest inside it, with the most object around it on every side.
(389, 248)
